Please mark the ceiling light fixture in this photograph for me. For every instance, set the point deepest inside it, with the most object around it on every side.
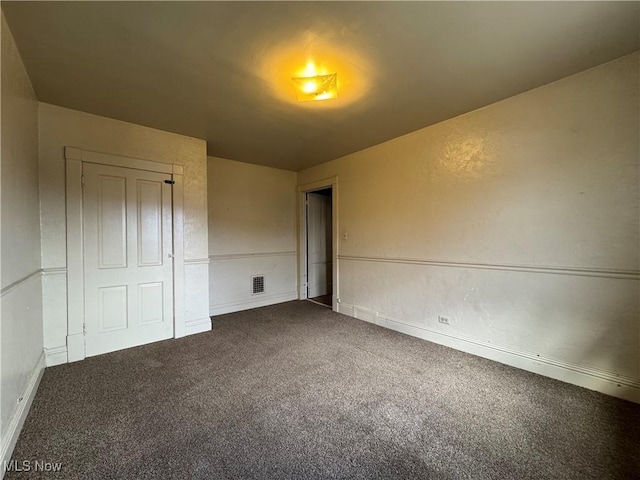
(318, 87)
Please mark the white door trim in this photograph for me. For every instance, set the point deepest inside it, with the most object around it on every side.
(74, 157)
(332, 183)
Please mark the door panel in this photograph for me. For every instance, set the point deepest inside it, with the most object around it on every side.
(128, 269)
(319, 244)
(113, 308)
(150, 223)
(112, 222)
(151, 302)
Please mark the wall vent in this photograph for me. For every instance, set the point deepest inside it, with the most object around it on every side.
(257, 284)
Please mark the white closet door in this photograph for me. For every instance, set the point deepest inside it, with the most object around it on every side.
(128, 265)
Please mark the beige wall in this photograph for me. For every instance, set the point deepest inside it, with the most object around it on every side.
(252, 230)
(61, 127)
(519, 222)
(21, 324)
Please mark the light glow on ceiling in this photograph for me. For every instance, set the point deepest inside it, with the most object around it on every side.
(293, 73)
(319, 87)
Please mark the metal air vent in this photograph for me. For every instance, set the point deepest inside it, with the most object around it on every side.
(257, 284)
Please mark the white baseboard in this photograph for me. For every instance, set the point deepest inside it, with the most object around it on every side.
(20, 414)
(197, 326)
(600, 381)
(253, 302)
(55, 356)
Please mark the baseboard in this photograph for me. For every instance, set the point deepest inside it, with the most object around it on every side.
(253, 302)
(20, 414)
(197, 326)
(359, 313)
(55, 356)
(600, 381)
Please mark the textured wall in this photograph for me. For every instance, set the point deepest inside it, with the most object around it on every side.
(519, 222)
(21, 325)
(20, 203)
(60, 127)
(252, 230)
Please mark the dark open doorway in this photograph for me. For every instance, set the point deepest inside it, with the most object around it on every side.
(319, 211)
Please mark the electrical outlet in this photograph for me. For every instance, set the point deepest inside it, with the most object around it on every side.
(444, 320)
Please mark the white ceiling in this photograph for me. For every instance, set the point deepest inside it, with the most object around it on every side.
(221, 70)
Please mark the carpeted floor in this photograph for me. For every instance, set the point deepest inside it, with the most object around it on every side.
(295, 391)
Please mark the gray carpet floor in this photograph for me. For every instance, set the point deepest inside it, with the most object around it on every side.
(296, 391)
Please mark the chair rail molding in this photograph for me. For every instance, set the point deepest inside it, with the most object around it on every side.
(551, 270)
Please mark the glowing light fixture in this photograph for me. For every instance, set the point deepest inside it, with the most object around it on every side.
(317, 87)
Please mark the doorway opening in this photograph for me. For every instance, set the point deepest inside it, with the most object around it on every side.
(319, 246)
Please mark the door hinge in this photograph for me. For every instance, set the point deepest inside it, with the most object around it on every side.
(170, 182)
(82, 181)
(84, 329)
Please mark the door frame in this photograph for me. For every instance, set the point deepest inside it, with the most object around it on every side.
(331, 182)
(74, 158)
